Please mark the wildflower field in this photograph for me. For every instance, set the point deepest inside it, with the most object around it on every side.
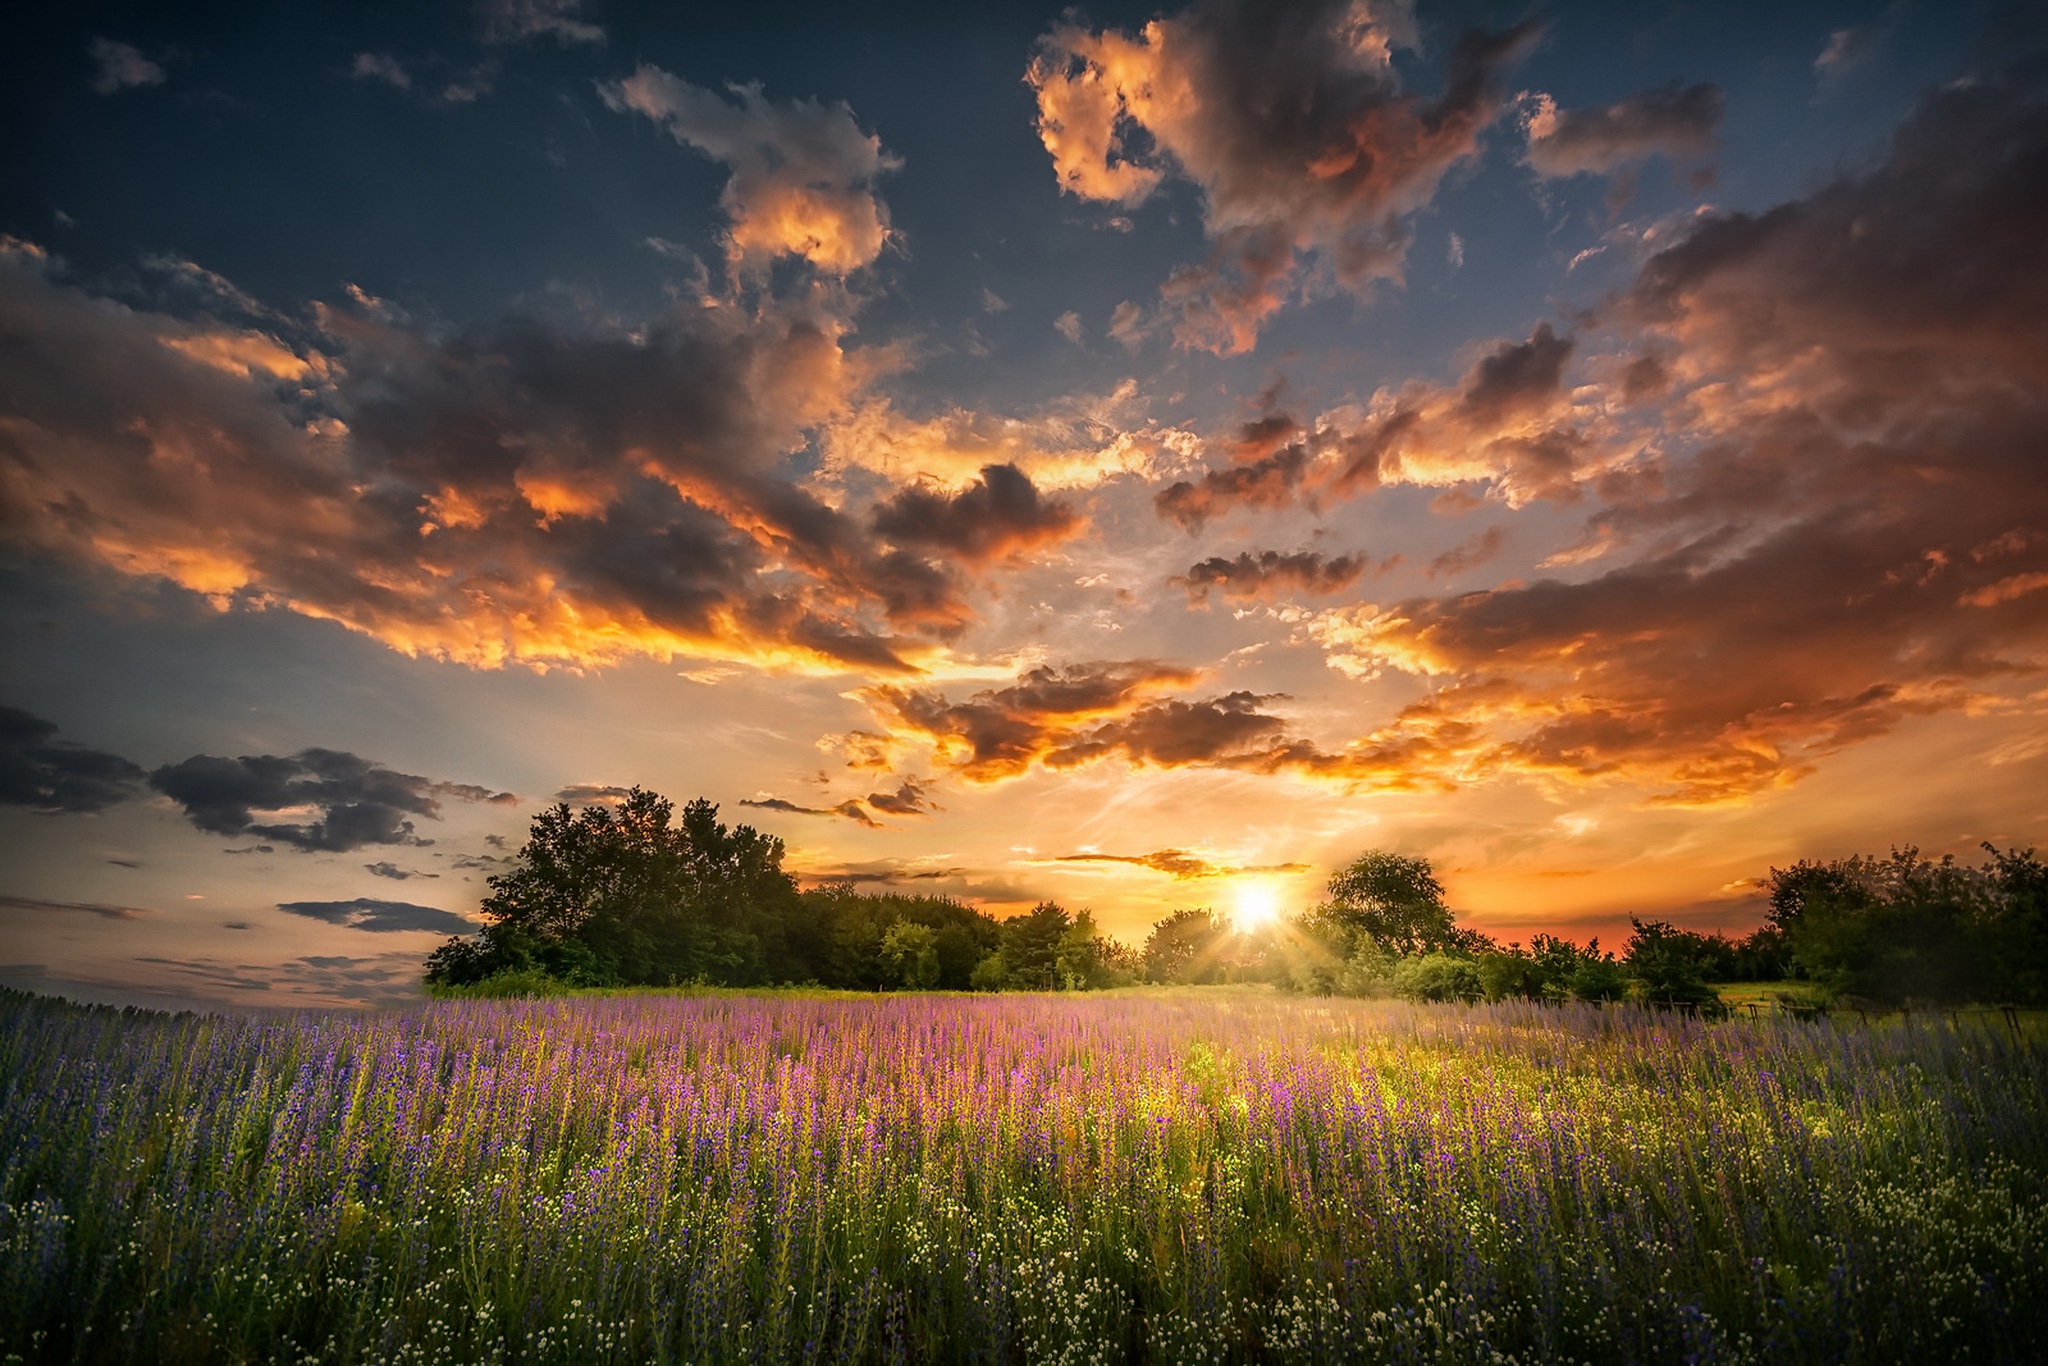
(1169, 1176)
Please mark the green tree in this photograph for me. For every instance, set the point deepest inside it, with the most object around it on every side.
(1664, 964)
(1183, 947)
(1437, 977)
(1395, 901)
(612, 895)
(1031, 946)
(911, 951)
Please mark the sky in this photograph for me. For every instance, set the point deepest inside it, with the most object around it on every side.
(1142, 458)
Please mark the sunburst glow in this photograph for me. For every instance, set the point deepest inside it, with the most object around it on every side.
(1258, 905)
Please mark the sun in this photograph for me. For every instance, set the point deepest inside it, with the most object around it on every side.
(1258, 905)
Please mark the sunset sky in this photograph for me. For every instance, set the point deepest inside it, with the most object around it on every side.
(1137, 457)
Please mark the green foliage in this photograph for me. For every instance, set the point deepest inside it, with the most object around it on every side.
(991, 973)
(624, 896)
(1185, 947)
(1368, 972)
(1437, 977)
(1032, 945)
(506, 985)
(1904, 928)
(1661, 959)
(911, 951)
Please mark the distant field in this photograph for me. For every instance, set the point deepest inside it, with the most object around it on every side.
(1172, 1176)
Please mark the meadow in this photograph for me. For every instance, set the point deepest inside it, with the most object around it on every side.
(1166, 1175)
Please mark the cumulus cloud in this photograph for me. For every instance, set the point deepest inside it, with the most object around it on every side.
(1293, 124)
(121, 66)
(1271, 574)
(1674, 121)
(803, 173)
(343, 802)
(379, 917)
(997, 516)
(1833, 499)
(1269, 459)
(40, 771)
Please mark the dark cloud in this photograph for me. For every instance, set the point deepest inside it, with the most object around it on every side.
(1517, 378)
(368, 913)
(1675, 121)
(1271, 573)
(582, 794)
(907, 800)
(1508, 422)
(783, 804)
(997, 516)
(1181, 865)
(38, 770)
(1174, 733)
(104, 912)
(396, 873)
(1293, 123)
(1267, 482)
(358, 803)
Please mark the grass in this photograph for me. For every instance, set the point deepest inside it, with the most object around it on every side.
(1184, 1176)
(1770, 995)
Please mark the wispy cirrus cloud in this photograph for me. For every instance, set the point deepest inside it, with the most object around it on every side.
(92, 908)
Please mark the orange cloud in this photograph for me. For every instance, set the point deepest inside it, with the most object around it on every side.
(1838, 451)
(513, 495)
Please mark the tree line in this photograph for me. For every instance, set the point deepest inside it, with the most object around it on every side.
(630, 895)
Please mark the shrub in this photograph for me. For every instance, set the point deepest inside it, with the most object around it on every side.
(1437, 977)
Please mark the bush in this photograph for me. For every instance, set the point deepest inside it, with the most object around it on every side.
(1368, 972)
(1437, 977)
(991, 973)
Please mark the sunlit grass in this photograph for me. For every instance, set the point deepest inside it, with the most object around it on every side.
(1191, 1175)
